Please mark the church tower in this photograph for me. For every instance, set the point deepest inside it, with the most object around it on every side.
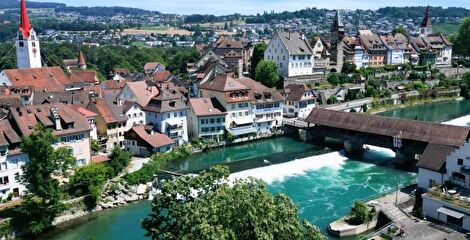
(28, 54)
(337, 34)
(426, 27)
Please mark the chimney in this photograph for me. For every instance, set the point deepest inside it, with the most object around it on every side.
(55, 117)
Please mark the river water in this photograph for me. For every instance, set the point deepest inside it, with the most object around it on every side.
(321, 181)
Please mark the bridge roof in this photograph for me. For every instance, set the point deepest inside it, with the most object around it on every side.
(408, 129)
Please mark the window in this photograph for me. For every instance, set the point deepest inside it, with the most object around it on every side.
(240, 114)
(33, 44)
(460, 161)
(175, 114)
(218, 120)
(202, 121)
(233, 106)
(4, 180)
(246, 105)
(81, 162)
(240, 105)
(167, 115)
(246, 113)
(21, 44)
(212, 120)
(234, 114)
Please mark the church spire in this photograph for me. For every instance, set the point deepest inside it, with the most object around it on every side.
(427, 20)
(25, 25)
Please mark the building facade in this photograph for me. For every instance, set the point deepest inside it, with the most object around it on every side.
(292, 54)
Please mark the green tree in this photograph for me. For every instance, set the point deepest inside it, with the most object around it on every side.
(400, 30)
(90, 179)
(45, 164)
(119, 159)
(333, 79)
(462, 39)
(95, 146)
(258, 55)
(348, 68)
(360, 214)
(208, 207)
(267, 73)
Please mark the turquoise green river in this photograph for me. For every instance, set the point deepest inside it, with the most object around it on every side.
(322, 182)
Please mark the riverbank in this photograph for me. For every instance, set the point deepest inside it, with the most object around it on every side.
(324, 185)
(411, 103)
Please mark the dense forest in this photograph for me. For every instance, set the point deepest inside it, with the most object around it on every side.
(105, 59)
(417, 12)
(198, 18)
(266, 17)
(5, 4)
(105, 11)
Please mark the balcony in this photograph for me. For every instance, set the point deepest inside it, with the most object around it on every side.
(458, 196)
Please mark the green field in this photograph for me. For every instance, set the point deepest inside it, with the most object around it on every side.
(445, 28)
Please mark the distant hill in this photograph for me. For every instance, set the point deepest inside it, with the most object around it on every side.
(4, 4)
(105, 11)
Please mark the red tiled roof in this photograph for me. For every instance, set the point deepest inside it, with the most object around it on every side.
(7, 134)
(85, 112)
(142, 91)
(113, 84)
(156, 140)
(88, 76)
(162, 76)
(46, 78)
(99, 159)
(206, 107)
(27, 117)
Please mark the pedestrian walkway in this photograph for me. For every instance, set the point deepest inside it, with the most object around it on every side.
(414, 227)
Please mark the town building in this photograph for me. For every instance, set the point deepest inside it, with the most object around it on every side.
(444, 172)
(70, 127)
(374, 47)
(300, 100)
(110, 122)
(139, 92)
(167, 112)
(396, 45)
(143, 141)
(232, 52)
(321, 55)
(76, 63)
(151, 68)
(11, 160)
(28, 52)
(206, 119)
(292, 54)
(211, 67)
(267, 106)
(236, 99)
(90, 117)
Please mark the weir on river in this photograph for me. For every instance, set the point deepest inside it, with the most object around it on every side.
(321, 181)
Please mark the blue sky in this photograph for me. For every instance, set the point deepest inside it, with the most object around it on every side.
(222, 7)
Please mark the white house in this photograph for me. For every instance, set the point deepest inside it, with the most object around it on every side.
(291, 52)
(11, 160)
(361, 57)
(441, 165)
(300, 100)
(206, 119)
(167, 112)
(236, 99)
(396, 45)
(267, 106)
(143, 141)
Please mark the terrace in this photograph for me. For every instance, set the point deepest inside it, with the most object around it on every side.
(457, 196)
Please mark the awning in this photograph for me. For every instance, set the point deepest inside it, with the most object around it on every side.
(243, 121)
(450, 212)
(242, 131)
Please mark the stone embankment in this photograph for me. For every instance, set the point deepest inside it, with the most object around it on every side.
(115, 195)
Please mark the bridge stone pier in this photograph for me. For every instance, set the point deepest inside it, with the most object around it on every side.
(353, 148)
(407, 138)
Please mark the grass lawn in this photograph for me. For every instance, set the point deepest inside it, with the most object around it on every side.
(445, 28)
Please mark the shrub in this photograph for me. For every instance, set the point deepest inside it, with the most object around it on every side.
(360, 214)
(157, 162)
